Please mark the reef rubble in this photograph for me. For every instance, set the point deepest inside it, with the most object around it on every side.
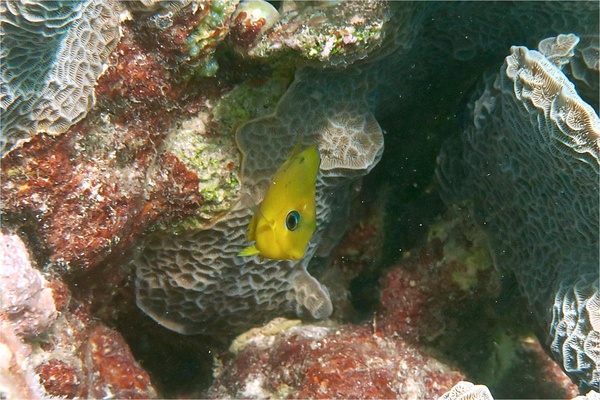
(137, 143)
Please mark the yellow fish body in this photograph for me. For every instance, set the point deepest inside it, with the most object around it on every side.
(286, 218)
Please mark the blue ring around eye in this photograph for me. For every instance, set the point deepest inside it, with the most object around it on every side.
(292, 220)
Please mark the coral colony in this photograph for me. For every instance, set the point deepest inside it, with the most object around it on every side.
(456, 230)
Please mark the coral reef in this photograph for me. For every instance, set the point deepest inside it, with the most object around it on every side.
(50, 345)
(152, 136)
(249, 23)
(17, 378)
(329, 34)
(575, 328)
(187, 285)
(424, 310)
(529, 164)
(311, 361)
(81, 358)
(52, 55)
(424, 299)
(25, 299)
(88, 193)
(111, 368)
(210, 31)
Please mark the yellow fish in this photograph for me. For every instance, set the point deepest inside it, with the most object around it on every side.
(286, 218)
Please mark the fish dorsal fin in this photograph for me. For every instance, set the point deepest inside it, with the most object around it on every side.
(289, 160)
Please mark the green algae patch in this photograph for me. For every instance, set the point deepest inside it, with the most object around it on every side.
(476, 260)
(247, 101)
(214, 158)
(206, 145)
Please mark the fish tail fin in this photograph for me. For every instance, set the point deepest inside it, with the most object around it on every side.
(249, 251)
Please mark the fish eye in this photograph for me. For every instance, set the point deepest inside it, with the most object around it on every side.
(292, 220)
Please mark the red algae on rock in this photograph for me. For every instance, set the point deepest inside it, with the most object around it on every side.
(446, 297)
(351, 361)
(60, 379)
(83, 196)
(49, 342)
(75, 207)
(79, 357)
(112, 370)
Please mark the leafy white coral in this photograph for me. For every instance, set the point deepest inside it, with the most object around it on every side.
(530, 163)
(52, 53)
(467, 391)
(575, 328)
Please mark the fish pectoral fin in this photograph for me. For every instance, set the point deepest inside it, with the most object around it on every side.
(251, 233)
(249, 251)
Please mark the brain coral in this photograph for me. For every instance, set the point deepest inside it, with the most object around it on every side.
(529, 163)
(464, 390)
(52, 53)
(195, 282)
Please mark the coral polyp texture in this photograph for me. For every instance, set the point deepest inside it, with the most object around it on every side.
(529, 165)
(52, 54)
(467, 391)
(195, 282)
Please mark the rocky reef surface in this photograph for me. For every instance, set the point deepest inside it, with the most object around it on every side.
(135, 142)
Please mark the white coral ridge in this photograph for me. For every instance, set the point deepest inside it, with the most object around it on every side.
(467, 391)
(52, 54)
(530, 166)
(25, 301)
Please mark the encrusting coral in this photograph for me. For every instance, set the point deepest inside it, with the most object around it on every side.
(18, 380)
(529, 164)
(330, 33)
(187, 285)
(211, 30)
(26, 310)
(49, 344)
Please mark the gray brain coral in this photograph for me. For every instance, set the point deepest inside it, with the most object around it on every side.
(52, 53)
(467, 391)
(195, 282)
(529, 164)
